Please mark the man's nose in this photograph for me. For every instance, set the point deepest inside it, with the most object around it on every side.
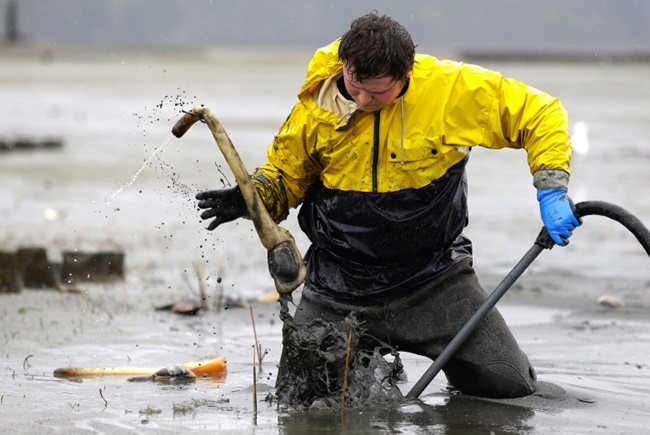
(364, 97)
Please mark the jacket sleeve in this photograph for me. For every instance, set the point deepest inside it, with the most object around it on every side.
(524, 117)
(284, 179)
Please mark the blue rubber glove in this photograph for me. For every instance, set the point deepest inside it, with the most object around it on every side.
(557, 214)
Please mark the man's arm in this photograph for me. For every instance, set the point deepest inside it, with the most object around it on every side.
(284, 179)
(281, 182)
(525, 117)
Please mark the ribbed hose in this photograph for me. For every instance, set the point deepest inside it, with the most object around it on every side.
(586, 208)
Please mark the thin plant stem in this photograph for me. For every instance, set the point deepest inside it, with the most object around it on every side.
(219, 290)
(345, 377)
(258, 346)
(254, 381)
(202, 294)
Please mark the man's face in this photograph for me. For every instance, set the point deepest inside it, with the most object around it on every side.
(374, 93)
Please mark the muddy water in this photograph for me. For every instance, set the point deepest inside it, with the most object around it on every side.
(113, 110)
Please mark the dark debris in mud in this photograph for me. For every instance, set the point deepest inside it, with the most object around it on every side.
(313, 372)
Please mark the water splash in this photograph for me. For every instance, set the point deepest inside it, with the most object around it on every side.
(158, 149)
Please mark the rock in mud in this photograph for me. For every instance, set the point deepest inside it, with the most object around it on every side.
(92, 267)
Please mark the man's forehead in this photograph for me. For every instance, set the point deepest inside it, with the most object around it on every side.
(348, 72)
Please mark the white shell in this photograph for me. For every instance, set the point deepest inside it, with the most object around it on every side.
(611, 301)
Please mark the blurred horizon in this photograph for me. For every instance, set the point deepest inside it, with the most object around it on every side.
(591, 28)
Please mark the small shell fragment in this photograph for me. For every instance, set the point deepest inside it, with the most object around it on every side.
(187, 306)
(270, 296)
(611, 301)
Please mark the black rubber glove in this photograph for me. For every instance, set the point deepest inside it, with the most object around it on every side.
(224, 205)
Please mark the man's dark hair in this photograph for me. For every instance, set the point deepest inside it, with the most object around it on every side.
(377, 46)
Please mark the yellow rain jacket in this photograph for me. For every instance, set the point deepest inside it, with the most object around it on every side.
(384, 194)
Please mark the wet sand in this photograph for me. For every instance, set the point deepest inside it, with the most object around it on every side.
(593, 362)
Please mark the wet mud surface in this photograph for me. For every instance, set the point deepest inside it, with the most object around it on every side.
(113, 113)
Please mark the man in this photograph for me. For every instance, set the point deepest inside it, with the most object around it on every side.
(375, 151)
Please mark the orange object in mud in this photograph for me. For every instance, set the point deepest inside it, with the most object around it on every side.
(202, 368)
(207, 367)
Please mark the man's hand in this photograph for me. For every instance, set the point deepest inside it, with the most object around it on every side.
(557, 214)
(224, 205)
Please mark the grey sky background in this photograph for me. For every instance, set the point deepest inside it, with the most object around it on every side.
(454, 25)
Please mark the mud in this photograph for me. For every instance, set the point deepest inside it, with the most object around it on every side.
(113, 110)
(323, 365)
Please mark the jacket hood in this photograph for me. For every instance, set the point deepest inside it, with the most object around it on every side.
(323, 65)
(320, 94)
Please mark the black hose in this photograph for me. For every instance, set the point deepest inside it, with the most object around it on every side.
(601, 208)
(476, 319)
(620, 215)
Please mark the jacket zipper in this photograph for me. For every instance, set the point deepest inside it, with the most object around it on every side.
(375, 153)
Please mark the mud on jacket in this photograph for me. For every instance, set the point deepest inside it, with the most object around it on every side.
(384, 194)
